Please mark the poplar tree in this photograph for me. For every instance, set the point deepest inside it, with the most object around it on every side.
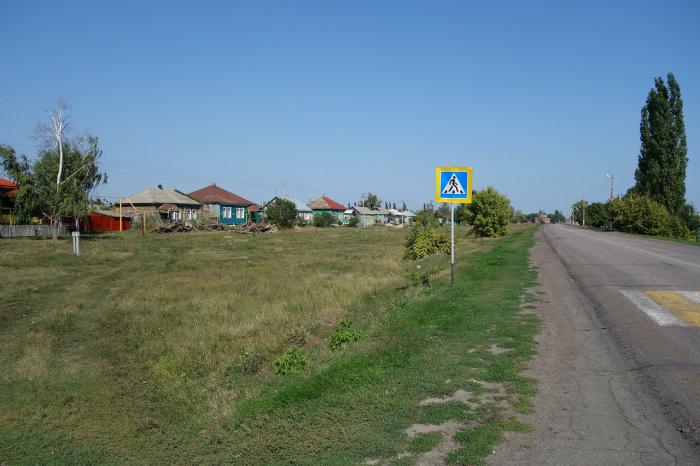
(663, 155)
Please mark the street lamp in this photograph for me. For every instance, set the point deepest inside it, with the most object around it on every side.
(612, 183)
(612, 187)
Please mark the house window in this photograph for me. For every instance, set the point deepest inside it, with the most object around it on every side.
(226, 212)
(240, 212)
(175, 214)
(191, 214)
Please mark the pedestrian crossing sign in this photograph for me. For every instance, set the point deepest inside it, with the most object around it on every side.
(453, 184)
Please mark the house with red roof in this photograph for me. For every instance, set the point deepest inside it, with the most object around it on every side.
(325, 204)
(222, 206)
(8, 191)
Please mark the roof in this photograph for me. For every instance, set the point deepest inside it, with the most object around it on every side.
(159, 196)
(108, 213)
(325, 203)
(214, 194)
(9, 187)
(301, 207)
(367, 211)
(408, 213)
(254, 208)
(168, 207)
(7, 184)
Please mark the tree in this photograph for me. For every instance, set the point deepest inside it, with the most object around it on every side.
(393, 205)
(282, 213)
(371, 201)
(517, 216)
(577, 211)
(663, 155)
(403, 206)
(325, 219)
(557, 217)
(637, 213)
(491, 212)
(597, 215)
(39, 193)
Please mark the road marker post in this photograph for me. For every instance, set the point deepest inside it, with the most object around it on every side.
(453, 185)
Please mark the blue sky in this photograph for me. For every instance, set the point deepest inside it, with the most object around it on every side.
(541, 98)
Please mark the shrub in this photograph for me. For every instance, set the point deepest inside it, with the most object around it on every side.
(597, 215)
(343, 334)
(636, 213)
(426, 239)
(282, 213)
(490, 213)
(249, 363)
(325, 219)
(291, 361)
(353, 222)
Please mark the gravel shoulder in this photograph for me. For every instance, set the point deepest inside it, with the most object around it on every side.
(591, 407)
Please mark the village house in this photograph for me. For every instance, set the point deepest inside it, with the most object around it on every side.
(304, 211)
(161, 204)
(400, 217)
(367, 217)
(8, 191)
(326, 205)
(222, 206)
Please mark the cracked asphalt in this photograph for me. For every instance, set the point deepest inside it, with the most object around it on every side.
(613, 386)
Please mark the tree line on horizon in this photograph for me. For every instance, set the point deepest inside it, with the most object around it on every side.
(656, 204)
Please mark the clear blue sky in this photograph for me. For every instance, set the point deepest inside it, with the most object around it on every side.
(541, 98)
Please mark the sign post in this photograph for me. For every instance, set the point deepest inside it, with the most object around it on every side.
(453, 185)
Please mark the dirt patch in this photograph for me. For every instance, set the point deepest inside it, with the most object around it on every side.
(496, 350)
(494, 392)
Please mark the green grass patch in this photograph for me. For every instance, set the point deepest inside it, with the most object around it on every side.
(424, 442)
(162, 348)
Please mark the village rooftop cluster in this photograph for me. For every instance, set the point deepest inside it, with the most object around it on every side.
(211, 205)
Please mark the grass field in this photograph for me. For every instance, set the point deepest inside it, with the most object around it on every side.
(161, 349)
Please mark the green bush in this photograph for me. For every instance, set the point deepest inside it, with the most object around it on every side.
(343, 334)
(490, 212)
(282, 213)
(292, 361)
(635, 213)
(424, 240)
(325, 219)
(353, 222)
(597, 215)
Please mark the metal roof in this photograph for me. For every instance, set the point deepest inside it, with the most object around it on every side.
(367, 211)
(325, 203)
(301, 207)
(214, 194)
(160, 196)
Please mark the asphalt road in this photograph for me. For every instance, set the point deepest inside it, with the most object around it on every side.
(615, 386)
(618, 273)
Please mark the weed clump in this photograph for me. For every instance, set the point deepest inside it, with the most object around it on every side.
(291, 361)
(343, 334)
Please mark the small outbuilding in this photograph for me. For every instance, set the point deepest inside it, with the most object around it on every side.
(101, 221)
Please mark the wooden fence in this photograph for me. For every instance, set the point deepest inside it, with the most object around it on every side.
(31, 231)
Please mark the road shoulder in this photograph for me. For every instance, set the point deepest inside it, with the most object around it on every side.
(590, 407)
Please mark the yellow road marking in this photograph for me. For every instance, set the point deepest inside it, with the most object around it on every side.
(682, 307)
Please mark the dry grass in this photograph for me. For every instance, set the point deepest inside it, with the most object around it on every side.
(174, 319)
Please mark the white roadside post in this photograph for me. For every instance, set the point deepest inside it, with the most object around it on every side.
(452, 245)
(453, 185)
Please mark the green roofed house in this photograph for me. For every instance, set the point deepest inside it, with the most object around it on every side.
(325, 204)
(222, 206)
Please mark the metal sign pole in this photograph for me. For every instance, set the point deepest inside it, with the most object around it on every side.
(452, 241)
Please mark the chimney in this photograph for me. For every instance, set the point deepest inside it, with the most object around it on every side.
(160, 186)
(213, 184)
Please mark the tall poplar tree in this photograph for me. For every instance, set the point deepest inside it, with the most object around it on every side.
(663, 155)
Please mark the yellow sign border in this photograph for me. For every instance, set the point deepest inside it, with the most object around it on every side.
(451, 200)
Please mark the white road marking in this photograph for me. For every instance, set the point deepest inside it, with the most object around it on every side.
(691, 295)
(669, 258)
(660, 315)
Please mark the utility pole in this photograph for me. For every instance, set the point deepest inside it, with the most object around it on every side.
(612, 187)
(584, 210)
